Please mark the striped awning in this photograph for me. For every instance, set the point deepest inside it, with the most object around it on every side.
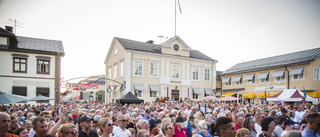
(226, 80)
(275, 93)
(278, 73)
(263, 75)
(208, 91)
(249, 95)
(236, 78)
(296, 71)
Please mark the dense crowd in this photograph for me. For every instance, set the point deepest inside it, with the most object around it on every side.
(184, 118)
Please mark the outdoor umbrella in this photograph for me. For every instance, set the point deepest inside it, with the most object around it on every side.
(11, 98)
(210, 97)
(229, 98)
(40, 98)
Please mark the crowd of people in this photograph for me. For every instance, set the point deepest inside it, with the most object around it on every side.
(184, 118)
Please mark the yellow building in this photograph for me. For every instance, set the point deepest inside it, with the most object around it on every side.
(249, 80)
(171, 69)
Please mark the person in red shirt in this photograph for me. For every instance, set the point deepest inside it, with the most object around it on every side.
(179, 128)
(239, 122)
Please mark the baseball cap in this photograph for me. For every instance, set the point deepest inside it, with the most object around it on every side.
(84, 119)
(96, 118)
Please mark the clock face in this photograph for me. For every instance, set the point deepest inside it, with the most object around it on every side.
(109, 90)
(176, 47)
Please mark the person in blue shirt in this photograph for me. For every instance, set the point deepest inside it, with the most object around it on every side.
(313, 125)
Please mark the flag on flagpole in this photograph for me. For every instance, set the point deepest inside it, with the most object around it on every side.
(179, 7)
(305, 93)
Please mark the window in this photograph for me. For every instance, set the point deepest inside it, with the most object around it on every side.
(164, 91)
(109, 95)
(43, 66)
(195, 96)
(153, 69)
(4, 41)
(109, 73)
(115, 51)
(175, 70)
(316, 73)
(281, 79)
(121, 68)
(299, 76)
(138, 93)
(265, 80)
(138, 68)
(114, 94)
(239, 82)
(17, 90)
(228, 83)
(153, 94)
(99, 97)
(19, 64)
(253, 80)
(44, 91)
(207, 74)
(186, 92)
(115, 71)
(195, 73)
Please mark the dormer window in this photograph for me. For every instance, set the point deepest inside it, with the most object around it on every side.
(4, 41)
(176, 47)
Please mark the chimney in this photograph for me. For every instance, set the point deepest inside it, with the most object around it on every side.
(9, 28)
(150, 41)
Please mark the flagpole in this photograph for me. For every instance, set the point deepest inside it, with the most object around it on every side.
(175, 17)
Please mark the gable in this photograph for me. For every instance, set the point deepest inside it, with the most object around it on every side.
(175, 46)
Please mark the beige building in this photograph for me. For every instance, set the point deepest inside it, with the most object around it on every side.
(249, 80)
(169, 70)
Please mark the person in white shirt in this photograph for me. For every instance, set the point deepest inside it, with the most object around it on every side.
(259, 116)
(299, 114)
(121, 130)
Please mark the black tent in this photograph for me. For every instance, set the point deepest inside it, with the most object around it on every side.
(129, 98)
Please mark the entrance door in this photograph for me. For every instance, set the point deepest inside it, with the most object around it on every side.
(175, 94)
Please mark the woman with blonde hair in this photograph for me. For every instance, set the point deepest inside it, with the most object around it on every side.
(68, 129)
(243, 132)
(167, 129)
(143, 124)
(106, 127)
(143, 133)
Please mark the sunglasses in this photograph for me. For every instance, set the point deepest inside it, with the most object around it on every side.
(169, 127)
(73, 132)
(124, 120)
(110, 125)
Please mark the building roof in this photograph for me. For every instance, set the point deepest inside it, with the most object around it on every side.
(152, 48)
(218, 76)
(37, 44)
(295, 58)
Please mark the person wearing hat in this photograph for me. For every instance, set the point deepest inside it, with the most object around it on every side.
(179, 129)
(96, 119)
(85, 123)
(289, 124)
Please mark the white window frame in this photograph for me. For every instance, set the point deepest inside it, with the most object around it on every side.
(281, 79)
(154, 94)
(185, 92)
(115, 71)
(195, 73)
(299, 76)
(239, 83)
(136, 93)
(268, 78)
(205, 73)
(195, 96)
(115, 51)
(173, 71)
(316, 73)
(249, 82)
(137, 63)
(155, 67)
(121, 69)
(228, 84)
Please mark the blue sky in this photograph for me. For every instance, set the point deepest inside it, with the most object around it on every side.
(230, 31)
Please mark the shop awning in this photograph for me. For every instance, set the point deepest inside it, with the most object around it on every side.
(196, 90)
(295, 71)
(261, 95)
(263, 75)
(138, 87)
(224, 95)
(249, 95)
(226, 80)
(154, 88)
(278, 73)
(208, 91)
(249, 77)
(275, 93)
(315, 94)
(236, 78)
